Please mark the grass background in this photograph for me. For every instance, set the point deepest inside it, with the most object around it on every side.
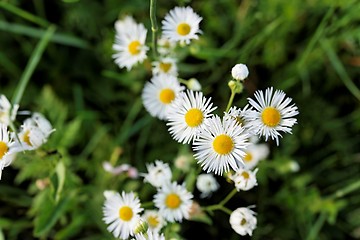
(309, 49)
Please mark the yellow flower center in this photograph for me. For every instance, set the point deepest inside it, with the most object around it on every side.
(245, 175)
(3, 149)
(223, 144)
(152, 221)
(248, 157)
(243, 222)
(134, 47)
(183, 29)
(125, 213)
(167, 95)
(26, 138)
(194, 117)
(165, 67)
(172, 201)
(270, 116)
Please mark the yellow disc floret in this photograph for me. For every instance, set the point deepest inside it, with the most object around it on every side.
(270, 116)
(165, 67)
(172, 201)
(134, 47)
(194, 117)
(167, 95)
(153, 221)
(248, 157)
(245, 175)
(3, 149)
(183, 29)
(125, 213)
(26, 138)
(223, 144)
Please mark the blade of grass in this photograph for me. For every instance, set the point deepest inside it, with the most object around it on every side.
(23, 14)
(32, 63)
(315, 229)
(60, 38)
(340, 70)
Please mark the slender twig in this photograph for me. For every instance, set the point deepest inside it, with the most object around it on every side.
(154, 27)
(230, 100)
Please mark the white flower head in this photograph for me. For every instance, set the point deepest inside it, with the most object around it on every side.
(240, 72)
(7, 111)
(158, 173)
(207, 184)
(184, 162)
(174, 202)
(154, 220)
(159, 94)
(220, 145)
(181, 24)
(193, 84)
(165, 46)
(165, 66)
(150, 235)
(255, 153)
(243, 221)
(121, 212)
(129, 45)
(187, 115)
(240, 116)
(244, 179)
(272, 114)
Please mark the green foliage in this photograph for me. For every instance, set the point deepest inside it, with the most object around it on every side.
(309, 49)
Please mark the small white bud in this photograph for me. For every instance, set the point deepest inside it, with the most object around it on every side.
(240, 72)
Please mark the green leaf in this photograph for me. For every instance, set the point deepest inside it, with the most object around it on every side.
(60, 173)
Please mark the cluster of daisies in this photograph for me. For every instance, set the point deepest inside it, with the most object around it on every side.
(223, 145)
(33, 132)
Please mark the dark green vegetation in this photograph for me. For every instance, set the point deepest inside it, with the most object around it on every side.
(310, 49)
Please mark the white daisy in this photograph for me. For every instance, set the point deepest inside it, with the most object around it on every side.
(158, 173)
(207, 184)
(7, 114)
(181, 24)
(240, 116)
(154, 220)
(243, 221)
(165, 47)
(8, 148)
(159, 94)
(244, 179)
(129, 43)
(121, 212)
(240, 72)
(255, 153)
(174, 202)
(149, 235)
(187, 115)
(220, 145)
(165, 66)
(272, 115)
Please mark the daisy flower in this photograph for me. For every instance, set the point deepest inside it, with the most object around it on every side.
(240, 72)
(174, 202)
(181, 24)
(244, 179)
(159, 94)
(207, 184)
(272, 114)
(8, 148)
(243, 221)
(158, 173)
(121, 212)
(188, 114)
(220, 145)
(149, 235)
(154, 219)
(165, 46)
(240, 116)
(165, 66)
(7, 114)
(129, 43)
(255, 153)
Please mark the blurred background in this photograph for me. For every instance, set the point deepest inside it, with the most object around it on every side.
(309, 187)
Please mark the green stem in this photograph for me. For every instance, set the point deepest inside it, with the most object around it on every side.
(154, 27)
(230, 100)
(346, 190)
(220, 206)
(315, 229)
(32, 63)
(228, 197)
(147, 204)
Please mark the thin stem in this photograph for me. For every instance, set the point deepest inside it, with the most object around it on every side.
(230, 100)
(228, 197)
(33, 62)
(154, 27)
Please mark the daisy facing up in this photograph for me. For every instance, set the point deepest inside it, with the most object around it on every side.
(158, 173)
(159, 94)
(165, 66)
(181, 24)
(129, 45)
(272, 114)
(255, 153)
(221, 145)
(188, 114)
(154, 220)
(243, 221)
(121, 212)
(174, 202)
(244, 179)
